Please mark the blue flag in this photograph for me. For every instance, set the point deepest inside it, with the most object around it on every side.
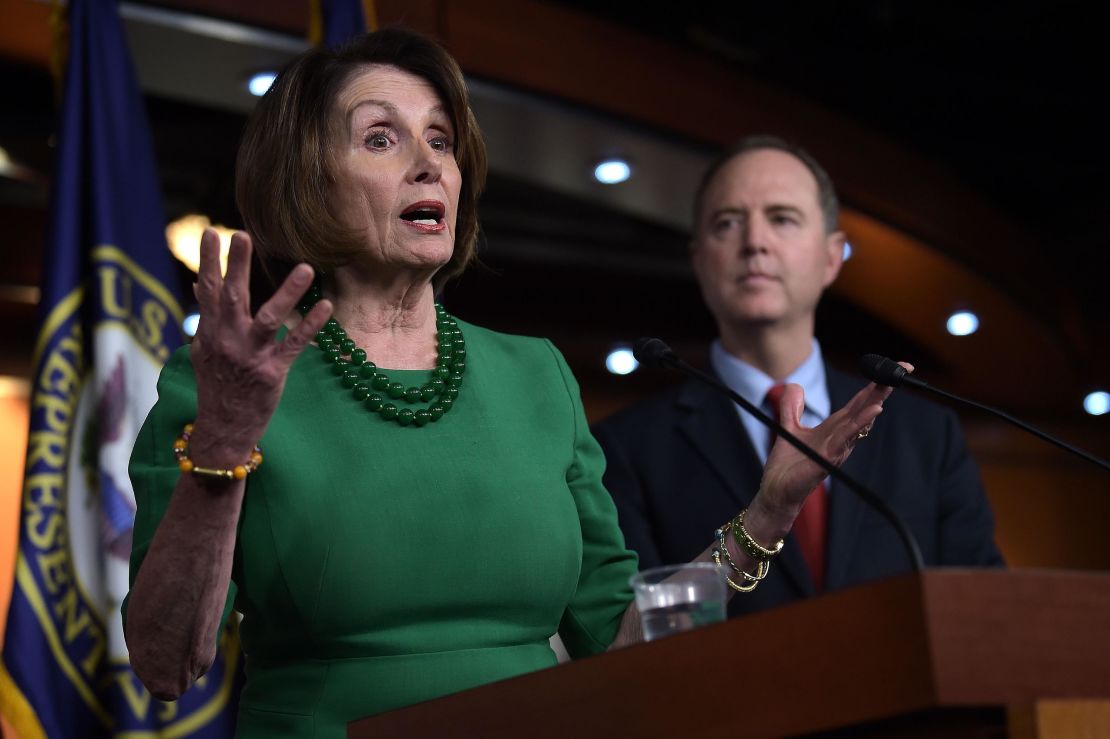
(109, 321)
(333, 22)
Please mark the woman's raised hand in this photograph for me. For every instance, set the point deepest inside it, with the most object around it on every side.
(240, 369)
(789, 476)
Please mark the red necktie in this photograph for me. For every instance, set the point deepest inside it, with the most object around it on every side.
(811, 526)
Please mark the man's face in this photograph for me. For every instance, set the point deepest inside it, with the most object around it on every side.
(760, 251)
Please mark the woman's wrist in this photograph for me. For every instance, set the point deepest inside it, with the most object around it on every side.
(768, 524)
(216, 446)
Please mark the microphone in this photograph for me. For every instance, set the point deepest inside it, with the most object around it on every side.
(653, 352)
(884, 371)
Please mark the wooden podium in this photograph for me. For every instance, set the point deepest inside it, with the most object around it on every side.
(946, 652)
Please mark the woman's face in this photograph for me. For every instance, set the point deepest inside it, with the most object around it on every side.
(396, 179)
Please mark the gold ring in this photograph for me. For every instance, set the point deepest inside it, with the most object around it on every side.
(863, 434)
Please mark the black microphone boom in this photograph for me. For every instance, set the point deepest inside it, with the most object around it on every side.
(652, 352)
(883, 371)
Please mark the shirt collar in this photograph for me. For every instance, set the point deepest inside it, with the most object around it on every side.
(752, 384)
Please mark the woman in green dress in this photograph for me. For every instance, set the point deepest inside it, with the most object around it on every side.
(400, 504)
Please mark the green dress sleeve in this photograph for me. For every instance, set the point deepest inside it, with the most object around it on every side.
(153, 468)
(593, 617)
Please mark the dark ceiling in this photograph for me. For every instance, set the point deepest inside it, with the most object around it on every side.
(1011, 97)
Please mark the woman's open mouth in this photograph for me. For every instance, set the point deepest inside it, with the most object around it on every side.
(426, 216)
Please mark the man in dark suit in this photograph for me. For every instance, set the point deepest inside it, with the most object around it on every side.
(765, 247)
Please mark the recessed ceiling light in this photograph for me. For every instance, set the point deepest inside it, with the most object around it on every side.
(260, 83)
(621, 361)
(612, 171)
(1097, 403)
(963, 323)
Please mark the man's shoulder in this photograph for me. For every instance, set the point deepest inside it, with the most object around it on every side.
(903, 401)
(646, 414)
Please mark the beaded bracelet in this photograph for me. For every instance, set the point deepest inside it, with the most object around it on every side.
(238, 472)
(748, 544)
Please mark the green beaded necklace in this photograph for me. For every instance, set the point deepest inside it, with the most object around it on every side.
(365, 380)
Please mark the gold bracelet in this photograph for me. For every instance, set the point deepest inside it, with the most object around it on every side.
(761, 572)
(762, 566)
(238, 472)
(750, 545)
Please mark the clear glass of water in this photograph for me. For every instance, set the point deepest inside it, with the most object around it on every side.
(679, 598)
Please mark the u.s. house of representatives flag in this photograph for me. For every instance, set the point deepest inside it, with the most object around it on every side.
(333, 22)
(110, 320)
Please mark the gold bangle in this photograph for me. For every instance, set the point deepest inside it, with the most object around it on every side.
(762, 566)
(238, 472)
(720, 552)
(754, 549)
(753, 580)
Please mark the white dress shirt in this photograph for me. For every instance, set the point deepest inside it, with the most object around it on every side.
(752, 385)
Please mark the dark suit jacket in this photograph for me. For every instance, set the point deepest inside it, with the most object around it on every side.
(680, 465)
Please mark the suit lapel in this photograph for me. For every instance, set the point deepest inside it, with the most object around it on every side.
(709, 423)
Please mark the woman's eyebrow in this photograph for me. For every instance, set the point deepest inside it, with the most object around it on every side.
(383, 104)
(390, 108)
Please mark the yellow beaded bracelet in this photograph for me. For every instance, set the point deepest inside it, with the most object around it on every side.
(238, 472)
